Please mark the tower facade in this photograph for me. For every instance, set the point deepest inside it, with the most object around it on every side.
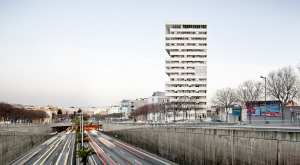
(186, 45)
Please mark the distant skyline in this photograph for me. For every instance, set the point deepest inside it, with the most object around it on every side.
(79, 53)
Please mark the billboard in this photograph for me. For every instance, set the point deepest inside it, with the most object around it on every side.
(258, 108)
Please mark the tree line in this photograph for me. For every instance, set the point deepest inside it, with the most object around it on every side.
(282, 85)
(108, 116)
(185, 105)
(18, 114)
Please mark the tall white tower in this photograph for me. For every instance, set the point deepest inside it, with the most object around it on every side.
(186, 45)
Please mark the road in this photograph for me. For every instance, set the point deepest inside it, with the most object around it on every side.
(113, 152)
(56, 150)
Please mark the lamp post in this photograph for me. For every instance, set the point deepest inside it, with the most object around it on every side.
(265, 98)
(82, 130)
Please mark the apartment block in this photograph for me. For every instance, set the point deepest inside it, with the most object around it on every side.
(186, 66)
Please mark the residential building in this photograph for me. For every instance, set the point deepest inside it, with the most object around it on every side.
(186, 45)
(157, 97)
(101, 110)
(134, 104)
(115, 109)
(124, 108)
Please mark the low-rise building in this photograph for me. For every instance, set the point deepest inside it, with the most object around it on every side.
(157, 97)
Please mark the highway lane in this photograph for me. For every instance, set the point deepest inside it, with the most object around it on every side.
(63, 157)
(42, 156)
(113, 152)
(50, 151)
(71, 157)
(36, 150)
(56, 157)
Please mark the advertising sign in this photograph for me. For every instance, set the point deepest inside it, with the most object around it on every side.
(258, 108)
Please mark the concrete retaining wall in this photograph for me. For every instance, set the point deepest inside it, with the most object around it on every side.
(14, 144)
(196, 146)
(34, 128)
(117, 126)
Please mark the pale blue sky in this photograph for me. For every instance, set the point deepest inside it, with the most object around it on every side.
(69, 53)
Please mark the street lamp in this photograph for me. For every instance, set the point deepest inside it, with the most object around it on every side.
(82, 130)
(265, 98)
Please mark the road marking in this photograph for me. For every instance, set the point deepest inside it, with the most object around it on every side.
(108, 154)
(122, 152)
(137, 161)
(50, 163)
(40, 156)
(56, 154)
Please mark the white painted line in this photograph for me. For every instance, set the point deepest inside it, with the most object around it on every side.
(40, 156)
(122, 152)
(108, 154)
(56, 154)
(50, 163)
(138, 161)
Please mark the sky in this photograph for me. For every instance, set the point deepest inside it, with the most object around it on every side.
(96, 52)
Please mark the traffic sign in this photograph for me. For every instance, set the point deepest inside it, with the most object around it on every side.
(243, 103)
(244, 114)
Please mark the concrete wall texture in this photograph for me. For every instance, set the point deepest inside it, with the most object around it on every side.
(34, 128)
(188, 145)
(14, 144)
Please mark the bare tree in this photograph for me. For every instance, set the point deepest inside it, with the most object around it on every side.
(283, 85)
(249, 92)
(226, 98)
(173, 107)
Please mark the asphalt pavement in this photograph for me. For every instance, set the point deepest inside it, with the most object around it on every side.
(113, 152)
(52, 152)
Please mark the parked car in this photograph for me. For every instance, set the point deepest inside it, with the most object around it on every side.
(198, 121)
(179, 122)
(212, 121)
(173, 121)
(189, 121)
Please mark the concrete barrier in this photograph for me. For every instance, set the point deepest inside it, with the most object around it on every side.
(208, 145)
(33, 128)
(15, 144)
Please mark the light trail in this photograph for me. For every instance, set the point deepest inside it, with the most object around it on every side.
(129, 150)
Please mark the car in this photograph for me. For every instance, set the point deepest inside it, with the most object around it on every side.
(213, 121)
(198, 121)
(139, 121)
(189, 121)
(173, 121)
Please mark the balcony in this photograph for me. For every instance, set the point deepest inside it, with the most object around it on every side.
(187, 53)
(185, 94)
(185, 35)
(186, 59)
(187, 30)
(185, 65)
(185, 88)
(186, 47)
(180, 70)
(187, 41)
(185, 82)
(187, 76)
